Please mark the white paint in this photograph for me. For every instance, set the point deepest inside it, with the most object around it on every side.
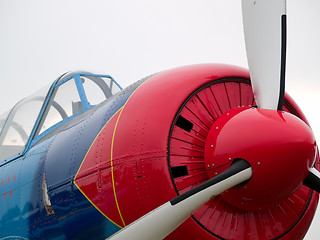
(162, 221)
(262, 28)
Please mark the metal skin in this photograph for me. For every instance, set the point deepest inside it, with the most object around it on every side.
(108, 167)
(169, 216)
(265, 138)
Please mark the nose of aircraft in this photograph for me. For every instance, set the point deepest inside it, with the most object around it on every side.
(279, 146)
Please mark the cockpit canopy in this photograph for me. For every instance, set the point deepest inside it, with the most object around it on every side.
(33, 117)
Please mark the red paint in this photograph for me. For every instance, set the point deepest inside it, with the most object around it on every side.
(279, 147)
(187, 149)
(94, 177)
(137, 158)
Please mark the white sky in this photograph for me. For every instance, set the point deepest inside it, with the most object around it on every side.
(130, 39)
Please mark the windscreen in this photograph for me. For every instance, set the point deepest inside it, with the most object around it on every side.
(71, 95)
(17, 126)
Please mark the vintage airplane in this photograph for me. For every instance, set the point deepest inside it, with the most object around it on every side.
(188, 153)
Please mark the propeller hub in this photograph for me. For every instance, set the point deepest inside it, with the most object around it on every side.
(279, 147)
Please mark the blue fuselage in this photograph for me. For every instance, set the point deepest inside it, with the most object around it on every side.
(38, 199)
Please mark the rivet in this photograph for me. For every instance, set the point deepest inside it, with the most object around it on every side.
(245, 187)
(222, 194)
(211, 146)
(259, 163)
(227, 114)
(216, 173)
(217, 128)
(208, 166)
(212, 165)
(229, 159)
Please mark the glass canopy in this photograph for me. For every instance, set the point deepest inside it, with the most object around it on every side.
(33, 117)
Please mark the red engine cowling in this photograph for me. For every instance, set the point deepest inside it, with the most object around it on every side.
(153, 148)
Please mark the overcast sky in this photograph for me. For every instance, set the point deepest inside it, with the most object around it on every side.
(130, 39)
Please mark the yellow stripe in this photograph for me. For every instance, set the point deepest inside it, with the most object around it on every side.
(97, 207)
(112, 177)
(81, 166)
(112, 143)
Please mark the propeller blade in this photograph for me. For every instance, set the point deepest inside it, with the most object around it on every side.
(264, 23)
(313, 180)
(160, 222)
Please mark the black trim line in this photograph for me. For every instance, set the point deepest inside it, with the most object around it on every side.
(236, 167)
(276, 238)
(312, 181)
(299, 219)
(291, 110)
(283, 61)
(213, 82)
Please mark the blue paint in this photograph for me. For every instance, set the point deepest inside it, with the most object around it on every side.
(73, 145)
(62, 79)
(23, 212)
(85, 104)
(36, 125)
(82, 94)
